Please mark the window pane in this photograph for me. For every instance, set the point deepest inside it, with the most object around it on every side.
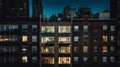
(47, 60)
(24, 59)
(34, 49)
(112, 38)
(34, 59)
(112, 48)
(76, 28)
(105, 49)
(64, 49)
(104, 59)
(104, 27)
(85, 39)
(85, 59)
(34, 38)
(95, 59)
(64, 40)
(112, 59)
(76, 59)
(105, 38)
(95, 48)
(24, 38)
(85, 49)
(64, 29)
(47, 49)
(24, 49)
(64, 60)
(85, 28)
(24, 28)
(112, 28)
(76, 38)
(47, 29)
(34, 28)
(76, 49)
(47, 39)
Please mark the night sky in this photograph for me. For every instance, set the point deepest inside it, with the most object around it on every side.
(56, 6)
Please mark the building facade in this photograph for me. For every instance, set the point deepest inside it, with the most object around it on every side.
(19, 43)
(59, 44)
(78, 43)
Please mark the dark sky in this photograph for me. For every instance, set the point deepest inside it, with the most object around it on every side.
(56, 6)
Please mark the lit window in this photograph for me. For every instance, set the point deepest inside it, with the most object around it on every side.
(76, 59)
(85, 28)
(76, 49)
(24, 38)
(104, 27)
(34, 59)
(47, 60)
(24, 28)
(76, 38)
(85, 59)
(49, 39)
(48, 29)
(85, 39)
(105, 38)
(34, 49)
(76, 28)
(104, 59)
(64, 40)
(95, 59)
(47, 49)
(85, 49)
(104, 49)
(24, 49)
(64, 29)
(8, 38)
(24, 59)
(112, 59)
(64, 50)
(111, 48)
(34, 28)
(112, 28)
(64, 60)
(34, 38)
(112, 38)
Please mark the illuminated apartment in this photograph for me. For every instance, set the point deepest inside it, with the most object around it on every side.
(78, 43)
(55, 44)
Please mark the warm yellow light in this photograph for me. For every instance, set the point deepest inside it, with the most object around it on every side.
(25, 59)
(24, 38)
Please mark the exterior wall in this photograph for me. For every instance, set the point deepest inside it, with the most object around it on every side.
(14, 50)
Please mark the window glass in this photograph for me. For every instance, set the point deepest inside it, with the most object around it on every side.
(47, 29)
(64, 29)
(64, 60)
